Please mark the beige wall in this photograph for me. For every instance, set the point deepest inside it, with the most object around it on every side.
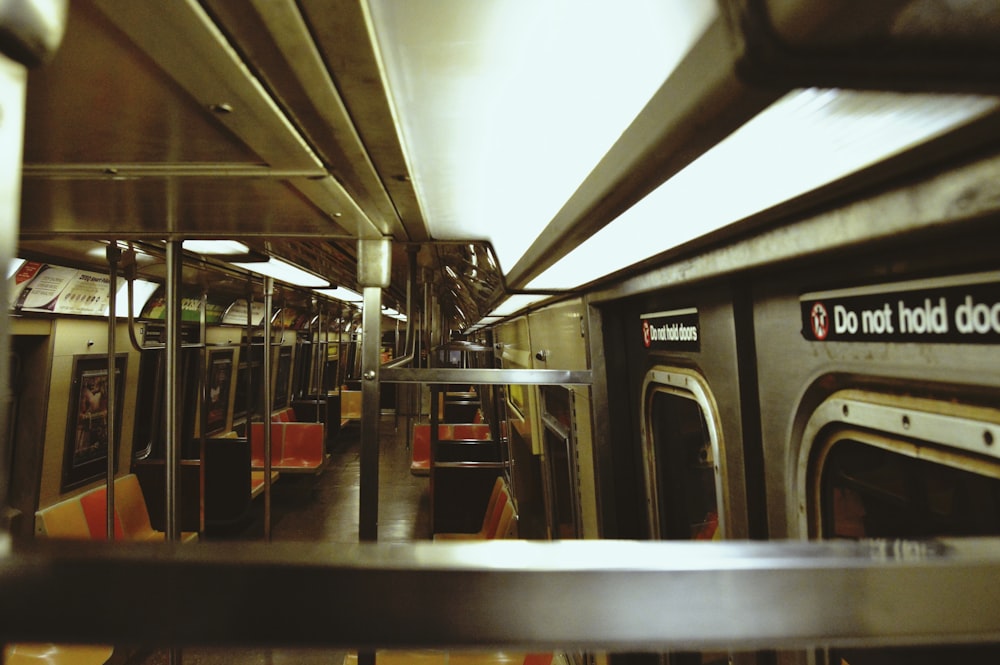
(71, 338)
(556, 332)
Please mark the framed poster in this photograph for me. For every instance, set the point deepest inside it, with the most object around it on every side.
(220, 380)
(86, 448)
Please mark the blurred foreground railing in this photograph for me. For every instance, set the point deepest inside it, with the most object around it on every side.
(607, 595)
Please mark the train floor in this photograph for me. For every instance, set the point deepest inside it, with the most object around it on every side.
(325, 508)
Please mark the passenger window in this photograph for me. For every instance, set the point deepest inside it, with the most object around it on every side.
(900, 468)
(873, 492)
(681, 457)
(685, 478)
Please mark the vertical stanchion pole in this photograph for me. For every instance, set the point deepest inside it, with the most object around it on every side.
(203, 422)
(374, 263)
(266, 380)
(320, 359)
(113, 254)
(341, 379)
(371, 323)
(249, 393)
(172, 357)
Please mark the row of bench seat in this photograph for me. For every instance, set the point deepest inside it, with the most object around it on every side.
(286, 415)
(295, 447)
(56, 654)
(230, 472)
(84, 516)
(421, 445)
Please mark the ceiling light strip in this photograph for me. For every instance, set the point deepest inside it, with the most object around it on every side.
(285, 272)
(811, 138)
(699, 104)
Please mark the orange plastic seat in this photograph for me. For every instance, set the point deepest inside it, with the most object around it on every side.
(130, 504)
(56, 654)
(94, 505)
(421, 446)
(471, 431)
(65, 519)
(302, 447)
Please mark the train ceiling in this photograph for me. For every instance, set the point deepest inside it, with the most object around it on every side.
(522, 131)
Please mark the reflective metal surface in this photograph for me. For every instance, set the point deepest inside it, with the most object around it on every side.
(654, 595)
(370, 359)
(474, 376)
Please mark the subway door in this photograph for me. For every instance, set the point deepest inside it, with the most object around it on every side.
(29, 371)
(682, 376)
(558, 341)
(878, 405)
(685, 381)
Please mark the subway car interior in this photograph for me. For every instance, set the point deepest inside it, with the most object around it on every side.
(500, 332)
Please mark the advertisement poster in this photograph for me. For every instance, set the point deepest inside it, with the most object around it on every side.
(86, 448)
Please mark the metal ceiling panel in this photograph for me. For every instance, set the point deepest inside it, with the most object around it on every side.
(182, 39)
(275, 40)
(164, 208)
(103, 102)
(148, 124)
(340, 28)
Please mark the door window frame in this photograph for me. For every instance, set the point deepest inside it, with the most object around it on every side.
(961, 436)
(686, 384)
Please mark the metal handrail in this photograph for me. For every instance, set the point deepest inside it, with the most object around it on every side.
(599, 595)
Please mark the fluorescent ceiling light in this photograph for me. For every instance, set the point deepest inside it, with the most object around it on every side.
(284, 272)
(342, 294)
(515, 303)
(14, 265)
(527, 101)
(805, 140)
(216, 247)
(393, 314)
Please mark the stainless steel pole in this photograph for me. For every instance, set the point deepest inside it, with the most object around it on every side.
(371, 324)
(113, 254)
(267, 403)
(319, 344)
(173, 376)
(374, 264)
